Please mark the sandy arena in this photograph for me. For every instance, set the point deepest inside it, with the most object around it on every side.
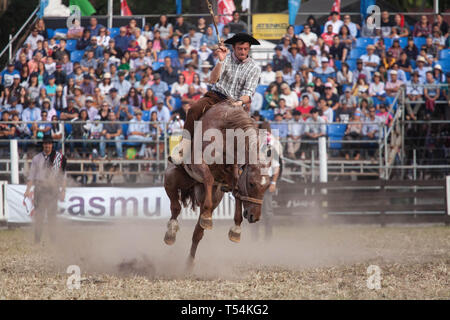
(301, 262)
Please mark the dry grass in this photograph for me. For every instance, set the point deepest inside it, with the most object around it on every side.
(301, 263)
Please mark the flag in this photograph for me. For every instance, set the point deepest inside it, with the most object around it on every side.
(124, 8)
(245, 4)
(363, 8)
(85, 6)
(336, 7)
(44, 4)
(179, 4)
(226, 7)
(294, 6)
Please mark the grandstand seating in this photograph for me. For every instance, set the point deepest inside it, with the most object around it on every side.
(71, 45)
(336, 132)
(114, 32)
(157, 65)
(419, 41)
(77, 55)
(298, 29)
(356, 53)
(444, 54)
(364, 42)
(173, 54)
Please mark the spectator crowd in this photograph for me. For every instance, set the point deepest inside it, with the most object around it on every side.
(341, 72)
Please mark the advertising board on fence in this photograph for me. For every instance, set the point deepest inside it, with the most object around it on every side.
(96, 204)
(270, 26)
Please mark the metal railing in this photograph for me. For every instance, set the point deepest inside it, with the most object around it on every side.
(9, 46)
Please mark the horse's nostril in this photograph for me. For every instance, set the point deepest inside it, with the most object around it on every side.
(245, 214)
(250, 219)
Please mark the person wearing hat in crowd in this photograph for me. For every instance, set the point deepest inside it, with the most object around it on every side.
(48, 107)
(348, 99)
(279, 60)
(159, 87)
(414, 92)
(360, 69)
(236, 76)
(51, 86)
(138, 130)
(7, 75)
(47, 175)
(438, 74)
(122, 85)
(388, 60)
(370, 60)
(376, 85)
(394, 85)
(421, 68)
(205, 72)
(91, 109)
(71, 112)
(324, 69)
(295, 58)
(279, 80)
(331, 98)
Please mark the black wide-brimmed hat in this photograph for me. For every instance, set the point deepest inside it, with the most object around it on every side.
(242, 37)
(47, 139)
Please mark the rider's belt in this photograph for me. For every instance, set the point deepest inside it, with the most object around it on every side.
(219, 94)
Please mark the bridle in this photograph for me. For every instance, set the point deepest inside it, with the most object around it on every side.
(245, 196)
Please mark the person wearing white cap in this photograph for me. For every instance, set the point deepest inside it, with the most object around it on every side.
(205, 71)
(106, 84)
(91, 109)
(370, 60)
(438, 74)
(393, 86)
(421, 68)
(325, 69)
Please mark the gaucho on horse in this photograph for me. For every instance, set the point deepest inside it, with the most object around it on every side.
(223, 108)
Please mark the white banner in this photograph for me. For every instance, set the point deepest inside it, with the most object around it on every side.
(96, 204)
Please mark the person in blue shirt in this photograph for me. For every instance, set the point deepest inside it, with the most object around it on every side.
(159, 87)
(123, 40)
(279, 129)
(7, 75)
(210, 38)
(124, 112)
(94, 27)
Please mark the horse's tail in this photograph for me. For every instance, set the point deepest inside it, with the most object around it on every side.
(187, 197)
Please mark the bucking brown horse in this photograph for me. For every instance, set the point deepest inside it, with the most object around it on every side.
(203, 183)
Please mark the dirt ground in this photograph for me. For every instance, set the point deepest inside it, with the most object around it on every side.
(130, 261)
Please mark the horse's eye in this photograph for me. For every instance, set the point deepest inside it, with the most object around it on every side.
(252, 185)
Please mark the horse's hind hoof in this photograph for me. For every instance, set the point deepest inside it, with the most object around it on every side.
(206, 223)
(235, 234)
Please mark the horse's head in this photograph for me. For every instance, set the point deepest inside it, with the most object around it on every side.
(255, 180)
(253, 183)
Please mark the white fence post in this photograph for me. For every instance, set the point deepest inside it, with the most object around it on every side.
(14, 162)
(323, 159)
(3, 185)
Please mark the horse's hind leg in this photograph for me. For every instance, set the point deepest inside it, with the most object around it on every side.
(174, 179)
(172, 225)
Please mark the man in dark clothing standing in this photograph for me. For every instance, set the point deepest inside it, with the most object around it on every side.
(47, 174)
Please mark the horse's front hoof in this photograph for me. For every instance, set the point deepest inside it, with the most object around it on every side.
(169, 238)
(235, 234)
(171, 233)
(206, 223)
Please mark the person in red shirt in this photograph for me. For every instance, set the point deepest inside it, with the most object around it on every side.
(328, 35)
(192, 96)
(305, 107)
(189, 73)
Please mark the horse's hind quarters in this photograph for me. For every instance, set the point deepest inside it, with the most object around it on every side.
(206, 222)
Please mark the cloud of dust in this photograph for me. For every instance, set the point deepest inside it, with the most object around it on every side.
(132, 247)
